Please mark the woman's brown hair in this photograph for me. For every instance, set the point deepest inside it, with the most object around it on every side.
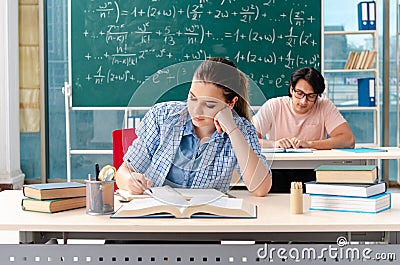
(224, 74)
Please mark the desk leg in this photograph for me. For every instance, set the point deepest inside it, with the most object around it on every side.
(392, 237)
(65, 238)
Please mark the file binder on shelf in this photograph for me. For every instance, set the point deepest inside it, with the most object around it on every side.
(372, 15)
(366, 92)
(363, 23)
(367, 15)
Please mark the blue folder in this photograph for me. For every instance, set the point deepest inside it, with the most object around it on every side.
(366, 15)
(366, 92)
(372, 15)
(363, 23)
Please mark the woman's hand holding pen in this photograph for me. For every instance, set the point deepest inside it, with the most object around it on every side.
(136, 183)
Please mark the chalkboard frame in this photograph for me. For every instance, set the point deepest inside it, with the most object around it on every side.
(82, 96)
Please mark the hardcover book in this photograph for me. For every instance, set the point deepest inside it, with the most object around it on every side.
(366, 174)
(344, 189)
(173, 204)
(57, 190)
(54, 205)
(373, 204)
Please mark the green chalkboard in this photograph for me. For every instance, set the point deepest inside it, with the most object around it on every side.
(137, 53)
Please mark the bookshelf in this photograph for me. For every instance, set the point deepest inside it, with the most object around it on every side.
(341, 83)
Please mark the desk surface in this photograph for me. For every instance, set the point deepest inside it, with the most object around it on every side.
(273, 216)
(334, 154)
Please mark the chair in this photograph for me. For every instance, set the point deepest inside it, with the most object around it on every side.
(121, 140)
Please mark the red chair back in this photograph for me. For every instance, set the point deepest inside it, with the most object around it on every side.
(121, 140)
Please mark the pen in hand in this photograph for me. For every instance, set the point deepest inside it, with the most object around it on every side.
(140, 184)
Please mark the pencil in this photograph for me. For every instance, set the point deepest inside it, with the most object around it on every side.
(296, 185)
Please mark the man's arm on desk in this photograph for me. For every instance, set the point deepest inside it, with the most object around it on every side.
(285, 143)
(340, 137)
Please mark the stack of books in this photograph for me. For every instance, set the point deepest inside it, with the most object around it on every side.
(360, 60)
(348, 188)
(53, 197)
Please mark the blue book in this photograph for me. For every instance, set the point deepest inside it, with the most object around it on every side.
(362, 150)
(372, 204)
(363, 16)
(366, 92)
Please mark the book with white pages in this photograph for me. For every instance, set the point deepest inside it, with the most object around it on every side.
(372, 204)
(286, 150)
(345, 189)
(171, 203)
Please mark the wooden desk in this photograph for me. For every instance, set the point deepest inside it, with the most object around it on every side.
(274, 223)
(328, 157)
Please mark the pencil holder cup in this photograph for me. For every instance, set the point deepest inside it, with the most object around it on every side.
(99, 197)
(296, 201)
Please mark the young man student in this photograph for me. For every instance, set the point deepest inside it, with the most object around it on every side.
(198, 143)
(302, 119)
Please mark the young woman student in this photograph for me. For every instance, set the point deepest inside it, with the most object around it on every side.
(198, 143)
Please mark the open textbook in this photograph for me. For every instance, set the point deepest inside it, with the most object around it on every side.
(286, 150)
(186, 203)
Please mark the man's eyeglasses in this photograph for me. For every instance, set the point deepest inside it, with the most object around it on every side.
(312, 97)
